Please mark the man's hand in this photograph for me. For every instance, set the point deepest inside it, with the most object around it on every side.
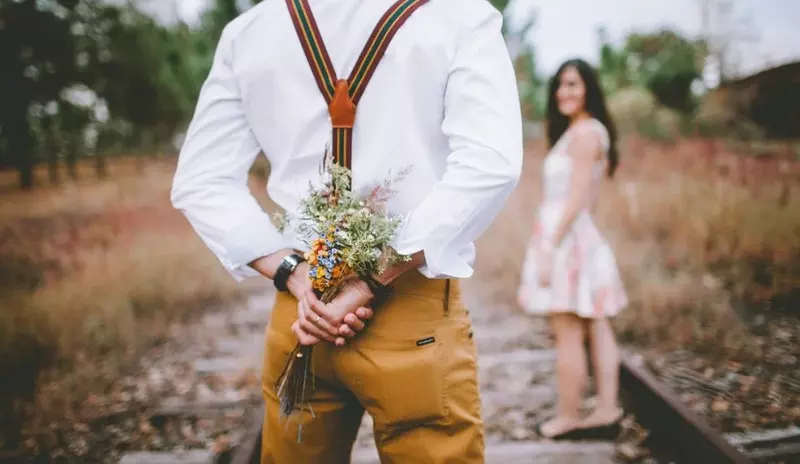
(345, 316)
(353, 324)
(316, 321)
(299, 285)
(355, 294)
(312, 325)
(342, 317)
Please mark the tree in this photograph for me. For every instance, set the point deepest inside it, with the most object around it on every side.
(614, 66)
(143, 79)
(667, 64)
(38, 56)
(146, 75)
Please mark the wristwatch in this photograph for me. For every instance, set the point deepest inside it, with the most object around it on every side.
(285, 269)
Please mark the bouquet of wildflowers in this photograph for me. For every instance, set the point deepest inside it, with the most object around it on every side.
(348, 236)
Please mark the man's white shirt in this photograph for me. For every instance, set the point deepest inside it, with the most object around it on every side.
(443, 101)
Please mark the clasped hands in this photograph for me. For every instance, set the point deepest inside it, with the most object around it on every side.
(334, 322)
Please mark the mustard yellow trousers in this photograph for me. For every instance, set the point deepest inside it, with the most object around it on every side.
(413, 369)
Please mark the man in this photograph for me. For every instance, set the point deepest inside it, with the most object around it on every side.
(442, 100)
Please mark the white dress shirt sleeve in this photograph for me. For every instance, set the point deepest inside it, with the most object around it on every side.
(210, 186)
(484, 125)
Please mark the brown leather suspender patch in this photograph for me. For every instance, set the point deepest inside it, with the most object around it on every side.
(342, 96)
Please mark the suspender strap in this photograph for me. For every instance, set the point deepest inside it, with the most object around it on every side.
(377, 44)
(314, 47)
(341, 95)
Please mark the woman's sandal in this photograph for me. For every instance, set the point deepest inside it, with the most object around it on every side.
(605, 432)
(572, 435)
(608, 431)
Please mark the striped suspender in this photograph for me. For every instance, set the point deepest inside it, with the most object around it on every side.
(342, 96)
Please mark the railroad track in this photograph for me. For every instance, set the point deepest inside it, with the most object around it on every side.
(678, 434)
(517, 385)
(675, 433)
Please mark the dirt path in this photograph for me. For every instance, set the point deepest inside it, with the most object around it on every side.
(210, 392)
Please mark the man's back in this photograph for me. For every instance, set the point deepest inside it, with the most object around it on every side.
(442, 99)
(403, 103)
(445, 85)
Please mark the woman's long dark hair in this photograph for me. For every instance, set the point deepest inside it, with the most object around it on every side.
(595, 105)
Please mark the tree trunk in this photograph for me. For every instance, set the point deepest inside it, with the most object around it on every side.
(98, 151)
(72, 159)
(100, 165)
(21, 147)
(52, 148)
(16, 103)
(20, 142)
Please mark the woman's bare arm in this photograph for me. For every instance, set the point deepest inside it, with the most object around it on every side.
(585, 149)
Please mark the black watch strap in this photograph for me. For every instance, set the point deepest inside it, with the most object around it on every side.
(285, 269)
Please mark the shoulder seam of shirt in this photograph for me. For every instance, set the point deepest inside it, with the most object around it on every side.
(237, 25)
(480, 19)
(469, 17)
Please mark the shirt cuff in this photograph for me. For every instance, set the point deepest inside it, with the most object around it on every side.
(442, 260)
(239, 272)
(252, 239)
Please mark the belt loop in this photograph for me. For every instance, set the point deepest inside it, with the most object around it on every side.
(447, 297)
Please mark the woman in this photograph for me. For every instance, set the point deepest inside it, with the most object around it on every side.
(570, 272)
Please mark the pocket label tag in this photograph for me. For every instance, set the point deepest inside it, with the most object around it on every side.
(426, 341)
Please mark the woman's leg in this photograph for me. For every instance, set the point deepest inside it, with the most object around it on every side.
(605, 364)
(570, 373)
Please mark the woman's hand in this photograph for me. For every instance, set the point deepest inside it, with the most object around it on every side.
(544, 263)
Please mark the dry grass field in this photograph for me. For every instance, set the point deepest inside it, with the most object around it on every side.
(92, 273)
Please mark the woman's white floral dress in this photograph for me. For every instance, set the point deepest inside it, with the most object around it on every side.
(585, 279)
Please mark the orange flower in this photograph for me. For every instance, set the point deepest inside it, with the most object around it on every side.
(337, 271)
(319, 244)
(318, 285)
